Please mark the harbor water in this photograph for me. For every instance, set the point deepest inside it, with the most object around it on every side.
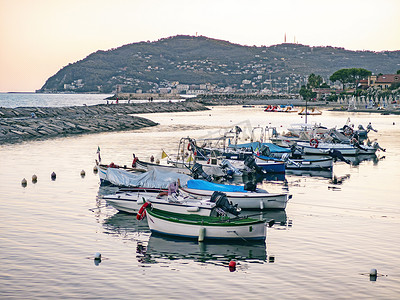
(332, 233)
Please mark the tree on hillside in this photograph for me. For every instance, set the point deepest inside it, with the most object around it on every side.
(351, 76)
(307, 93)
(314, 81)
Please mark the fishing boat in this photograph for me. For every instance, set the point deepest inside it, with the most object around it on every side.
(245, 196)
(269, 164)
(204, 228)
(316, 147)
(173, 201)
(155, 178)
(309, 164)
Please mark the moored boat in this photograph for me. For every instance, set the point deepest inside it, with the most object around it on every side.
(203, 228)
(253, 198)
(310, 164)
(178, 202)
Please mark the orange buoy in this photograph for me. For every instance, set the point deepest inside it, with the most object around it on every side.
(232, 265)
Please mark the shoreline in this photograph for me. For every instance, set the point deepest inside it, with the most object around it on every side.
(38, 123)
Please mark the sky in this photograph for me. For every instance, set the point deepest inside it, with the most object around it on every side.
(39, 37)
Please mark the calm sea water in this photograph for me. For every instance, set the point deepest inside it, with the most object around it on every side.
(329, 239)
(52, 100)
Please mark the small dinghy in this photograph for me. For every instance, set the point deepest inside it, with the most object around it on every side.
(203, 228)
(245, 196)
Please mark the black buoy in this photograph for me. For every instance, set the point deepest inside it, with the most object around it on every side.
(34, 178)
(83, 173)
(24, 182)
(53, 176)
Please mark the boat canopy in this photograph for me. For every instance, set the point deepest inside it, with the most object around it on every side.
(272, 147)
(154, 178)
(210, 186)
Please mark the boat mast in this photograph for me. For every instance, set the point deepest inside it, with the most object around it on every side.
(306, 110)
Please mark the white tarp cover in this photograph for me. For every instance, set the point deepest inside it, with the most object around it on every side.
(150, 179)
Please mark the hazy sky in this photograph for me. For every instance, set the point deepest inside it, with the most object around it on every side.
(38, 37)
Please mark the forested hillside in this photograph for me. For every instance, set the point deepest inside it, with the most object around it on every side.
(189, 60)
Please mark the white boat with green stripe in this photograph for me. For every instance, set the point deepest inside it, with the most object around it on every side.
(204, 228)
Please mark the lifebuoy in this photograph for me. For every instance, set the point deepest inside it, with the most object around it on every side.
(348, 131)
(314, 143)
(142, 211)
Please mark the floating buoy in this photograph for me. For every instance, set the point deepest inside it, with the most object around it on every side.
(373, 274)
(53, 176)
(24, 182)
(95, 169)
(34, 178)
(83, 173)
(232, 265)
(97, 258)
(202, 234)
(261, 205)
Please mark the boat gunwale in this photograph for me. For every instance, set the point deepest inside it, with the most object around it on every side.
(192, 219)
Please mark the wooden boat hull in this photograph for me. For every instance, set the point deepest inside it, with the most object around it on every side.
(323, 148)
(208, 228)
(310, 164)
(131, 202)
(270, 165)
(248, 200)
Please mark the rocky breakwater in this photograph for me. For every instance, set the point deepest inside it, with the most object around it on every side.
(27, 123)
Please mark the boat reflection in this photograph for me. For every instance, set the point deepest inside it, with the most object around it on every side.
(358, 159)
(162, 247)
(279, 216)
(311, 173)
(126, 226)
(153, 248)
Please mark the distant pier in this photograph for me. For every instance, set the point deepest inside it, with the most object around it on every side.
(29, 123)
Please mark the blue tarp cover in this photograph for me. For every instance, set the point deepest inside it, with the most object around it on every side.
(210, 186)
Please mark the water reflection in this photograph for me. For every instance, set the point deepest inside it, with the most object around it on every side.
(172, 249)
(153, 248)
(358, 159)
(311, 173)
(126, 226)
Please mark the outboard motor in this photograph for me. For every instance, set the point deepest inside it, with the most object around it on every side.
(197, 171)
(265, 151)
(250, 186)
(230, 170)
(336, 154)
(369, 128)
(250, 162)
(222, 202)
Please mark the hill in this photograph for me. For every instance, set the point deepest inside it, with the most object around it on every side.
(185, 63)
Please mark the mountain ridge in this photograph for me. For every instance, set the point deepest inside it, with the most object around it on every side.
(221, 65)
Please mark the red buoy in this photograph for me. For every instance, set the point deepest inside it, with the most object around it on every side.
(232, 265)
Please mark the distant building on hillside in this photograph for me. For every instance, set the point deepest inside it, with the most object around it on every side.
(383, 81)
